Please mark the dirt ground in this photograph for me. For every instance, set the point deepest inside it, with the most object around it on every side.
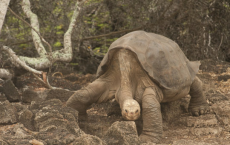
(180, 128)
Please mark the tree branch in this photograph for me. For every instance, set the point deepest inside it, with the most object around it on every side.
(67, 36)
(113, 33)
(40, 48)
(134, 29)
(15, 59)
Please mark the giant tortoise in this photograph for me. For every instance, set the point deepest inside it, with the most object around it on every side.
(142, 70)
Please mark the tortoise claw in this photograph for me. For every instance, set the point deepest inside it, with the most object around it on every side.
(196, 113)
(200, 110)
(147, 138)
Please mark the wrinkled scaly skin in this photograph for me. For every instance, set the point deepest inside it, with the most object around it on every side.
(127, 81)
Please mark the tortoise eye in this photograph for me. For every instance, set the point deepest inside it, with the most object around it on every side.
(136, 111)
(126, 111)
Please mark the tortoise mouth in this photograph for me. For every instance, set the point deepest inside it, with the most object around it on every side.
(130, 117)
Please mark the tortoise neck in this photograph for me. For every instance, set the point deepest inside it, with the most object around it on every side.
(125, 66)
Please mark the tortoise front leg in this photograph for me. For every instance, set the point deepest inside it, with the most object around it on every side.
(84, 97)
(151, 114)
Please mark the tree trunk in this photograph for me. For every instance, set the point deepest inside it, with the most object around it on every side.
(3, 9)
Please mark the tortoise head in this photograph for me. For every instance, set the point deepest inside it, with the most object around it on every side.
(130, 110)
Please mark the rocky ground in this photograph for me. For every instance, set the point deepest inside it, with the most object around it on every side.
(31, 114)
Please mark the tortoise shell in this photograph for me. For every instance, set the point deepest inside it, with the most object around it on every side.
(160, 57)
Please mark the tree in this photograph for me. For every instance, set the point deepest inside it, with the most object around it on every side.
(3, 9)
(46, 59)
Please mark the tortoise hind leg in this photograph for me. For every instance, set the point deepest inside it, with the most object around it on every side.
(198, 104)
(84, 97)
(151, 115)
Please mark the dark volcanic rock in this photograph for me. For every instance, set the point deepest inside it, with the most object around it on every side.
(190, 142)
(56, 135)
(30, 95)
(56, 123)
(171, 110)
(11, 91)
(113, 108)
(88, 140)
(223, 77)
(216, 97)
(60, 94)
(26, 118)
(16, 135)
(123, 132)
(3, 142)
(222, 111)
(7, 113)
(2, 97)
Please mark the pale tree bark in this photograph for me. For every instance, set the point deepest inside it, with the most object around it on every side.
(3, 9)
(5, 74)
(46, 58)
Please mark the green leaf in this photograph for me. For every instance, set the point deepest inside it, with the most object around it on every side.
(60, 32)
(57, 44)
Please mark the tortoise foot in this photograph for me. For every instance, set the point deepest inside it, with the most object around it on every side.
(199, 109)
(79, 101)
(148, 138)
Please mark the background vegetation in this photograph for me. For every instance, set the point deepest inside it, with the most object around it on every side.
(201, 28)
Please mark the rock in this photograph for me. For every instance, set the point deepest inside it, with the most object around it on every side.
(222, 111)
(223, 77)
(87, 139)
(191, 142)
(26, 118)
(149, 143)
(208, 120)
(202, 125)
(11, 91)
(16, 135)
(56, 135)
(30, 95)
(56, 123)
(54, 113)
(2, 97)
(113, 108)
(19, 106)
(36, 142)
(7, 113)
(216, 97)
(60, 94)
(39, 105)
(171, 110)
(3, 142)
(206, 131)
(123, 132)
